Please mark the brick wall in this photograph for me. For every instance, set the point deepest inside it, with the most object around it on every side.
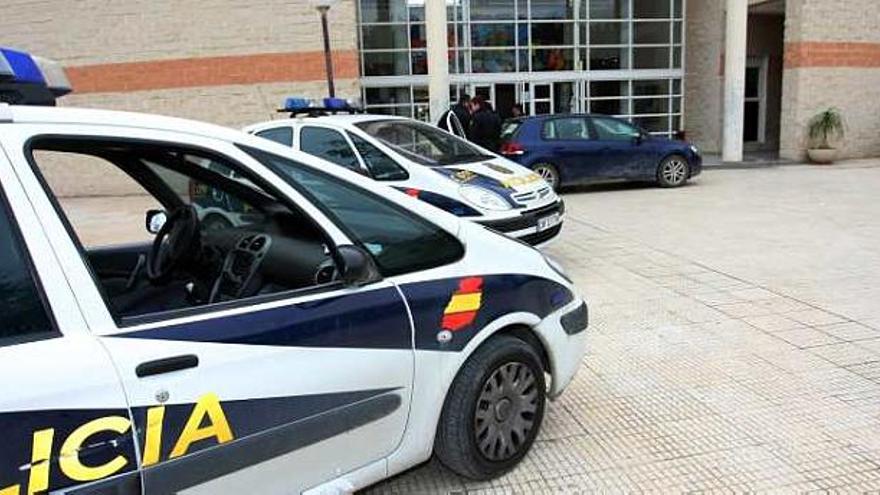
(832, 59)
(128, 55)
(86, 32)
(223, 61)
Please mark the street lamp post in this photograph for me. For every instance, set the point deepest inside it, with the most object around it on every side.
(323, 7)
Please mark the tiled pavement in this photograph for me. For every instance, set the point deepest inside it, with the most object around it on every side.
(699, 378)
(735, 337)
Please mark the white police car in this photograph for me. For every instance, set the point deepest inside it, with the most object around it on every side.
(425, 162)
(338, 336)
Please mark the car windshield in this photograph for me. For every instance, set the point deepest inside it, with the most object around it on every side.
(508, 130)
(423, 143)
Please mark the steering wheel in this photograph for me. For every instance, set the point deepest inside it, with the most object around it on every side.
(174, 241)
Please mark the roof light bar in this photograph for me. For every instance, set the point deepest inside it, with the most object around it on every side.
(30, 80)
(300, 106)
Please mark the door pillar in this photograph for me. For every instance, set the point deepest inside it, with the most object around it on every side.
(438, 59)
(734, 79)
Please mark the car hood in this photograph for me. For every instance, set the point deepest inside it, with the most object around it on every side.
(498, 175)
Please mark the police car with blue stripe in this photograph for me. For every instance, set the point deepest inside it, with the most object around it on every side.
(425, 162)
(338, 333)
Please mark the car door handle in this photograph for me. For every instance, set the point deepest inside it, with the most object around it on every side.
(166, 365)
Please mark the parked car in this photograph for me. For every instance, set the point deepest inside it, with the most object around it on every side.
(573, 149)
(336, 333)
(427, 163)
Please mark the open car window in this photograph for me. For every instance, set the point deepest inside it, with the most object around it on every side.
(198, 230)
(400, 241)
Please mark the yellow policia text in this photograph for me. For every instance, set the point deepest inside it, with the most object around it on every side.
(520, 181)
(207, 411)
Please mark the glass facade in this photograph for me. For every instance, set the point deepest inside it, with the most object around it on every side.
(619, 57)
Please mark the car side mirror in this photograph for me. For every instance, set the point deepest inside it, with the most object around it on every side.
(638, 138)
(155, 220)
(358, 267)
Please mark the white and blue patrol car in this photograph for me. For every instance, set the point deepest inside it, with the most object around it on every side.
(338, 334)
(425, 162)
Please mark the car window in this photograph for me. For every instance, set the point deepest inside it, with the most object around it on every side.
(568, 128)
(509, 129)
(399, 241)
(282, 135)
(88, 188)
(382, 166)
(614, 130)
(423, 143)
(329, 145)
(216, 233)
(25, 317)
(216, 207)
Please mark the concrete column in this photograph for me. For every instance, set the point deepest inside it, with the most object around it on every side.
(438, 61)
(734, 79)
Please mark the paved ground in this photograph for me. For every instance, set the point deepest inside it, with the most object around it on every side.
(735, 340)
(735, 337)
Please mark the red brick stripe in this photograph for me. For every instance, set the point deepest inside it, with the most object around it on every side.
(831, 54)
(209, 71)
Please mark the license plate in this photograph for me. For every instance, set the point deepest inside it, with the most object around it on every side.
(548, 222)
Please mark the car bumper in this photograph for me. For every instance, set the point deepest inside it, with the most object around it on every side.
(565, 337)
(696, 165)
(526, 226)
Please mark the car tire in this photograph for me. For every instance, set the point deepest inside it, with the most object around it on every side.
(673, 171)
(549, 173)
(493, 410)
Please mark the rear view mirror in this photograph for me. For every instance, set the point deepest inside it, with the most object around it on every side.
(358, 267)
(155, 220)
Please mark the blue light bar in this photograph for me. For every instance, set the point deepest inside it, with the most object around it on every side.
(304, 106)
(335, 104)
(29, 80)
(293, 104)
(24, 68)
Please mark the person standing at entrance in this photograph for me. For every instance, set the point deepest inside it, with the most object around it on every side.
(462, 111)
(517, 111)
(486, 124)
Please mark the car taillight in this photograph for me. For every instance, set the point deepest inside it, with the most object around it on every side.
(511, 148)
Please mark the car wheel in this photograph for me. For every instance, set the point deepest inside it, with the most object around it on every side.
(673, 171)
(493, 410)
(548, 172)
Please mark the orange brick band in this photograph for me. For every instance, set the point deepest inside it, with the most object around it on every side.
(209, 71)
(831, 54)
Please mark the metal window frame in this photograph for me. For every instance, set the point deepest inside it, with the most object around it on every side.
(463, 77)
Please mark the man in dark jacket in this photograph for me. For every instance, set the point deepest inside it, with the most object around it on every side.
(485, 125)
(462, 111)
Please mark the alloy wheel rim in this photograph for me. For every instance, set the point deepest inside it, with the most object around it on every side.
(506, 411)
(674, 171)
(547, 174)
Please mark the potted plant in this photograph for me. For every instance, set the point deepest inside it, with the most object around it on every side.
(823, 128)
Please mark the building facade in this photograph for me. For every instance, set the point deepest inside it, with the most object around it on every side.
(619, 57)
(660, 63)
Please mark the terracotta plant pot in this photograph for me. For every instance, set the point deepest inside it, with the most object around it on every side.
(822, 156)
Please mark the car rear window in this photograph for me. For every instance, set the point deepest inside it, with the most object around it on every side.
(509, 129)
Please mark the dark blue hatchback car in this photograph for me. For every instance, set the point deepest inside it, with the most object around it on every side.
(571, 149)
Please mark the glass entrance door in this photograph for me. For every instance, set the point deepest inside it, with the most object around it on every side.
(556, 97)
(542, 98)
(755, 102)
(502, 96)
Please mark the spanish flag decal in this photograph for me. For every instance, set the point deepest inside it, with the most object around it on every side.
(464, 304)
